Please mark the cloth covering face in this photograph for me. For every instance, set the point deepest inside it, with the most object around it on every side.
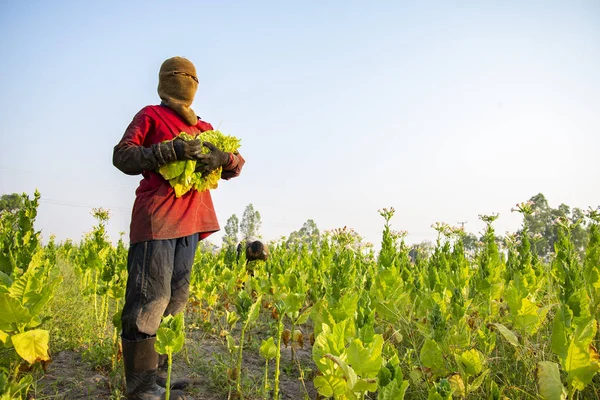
(177, 86)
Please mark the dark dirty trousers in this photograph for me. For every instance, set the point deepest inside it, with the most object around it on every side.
(158, 283)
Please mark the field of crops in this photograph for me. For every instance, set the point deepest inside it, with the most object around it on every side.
(325, 317)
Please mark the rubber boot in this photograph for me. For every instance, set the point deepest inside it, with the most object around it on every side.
(141, 363)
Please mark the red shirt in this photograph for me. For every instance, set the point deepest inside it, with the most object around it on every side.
(157, 213)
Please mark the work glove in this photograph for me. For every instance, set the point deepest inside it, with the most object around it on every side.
(209, 162)
(187, 149)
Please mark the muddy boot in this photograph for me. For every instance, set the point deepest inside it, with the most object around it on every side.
(141, 362)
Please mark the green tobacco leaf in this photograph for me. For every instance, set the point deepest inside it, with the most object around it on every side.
(365, 385)
(268, 350)
(172, 170)
(515, 293)
(581, 362)
(12, 312)
(5, 281)
(549, 384)
(330, 385)
(3, 336)
(471, 361)
(559, 342)
(530, 317)
(178, 323)
(170, 336)
(181, 174)
(432, 358)
(15, 390)
(231, 346)
(327, 342)
(366, 361)
(321, 316)
(396, 390)
(254, 311)
(507, 334)
(477, 382)
(348, 371)
(346, 307)
(294, 301)
(302, 318)
(116, 320)
(32, 345)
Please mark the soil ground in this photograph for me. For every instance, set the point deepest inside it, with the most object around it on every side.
(69, 376)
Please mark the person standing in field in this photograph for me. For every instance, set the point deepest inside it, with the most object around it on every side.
(165, 230)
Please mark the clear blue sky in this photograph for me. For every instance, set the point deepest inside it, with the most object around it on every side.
(441, 111)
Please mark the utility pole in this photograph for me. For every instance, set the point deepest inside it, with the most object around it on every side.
(462, 224)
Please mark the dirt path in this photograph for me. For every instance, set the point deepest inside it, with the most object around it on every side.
(69, 377)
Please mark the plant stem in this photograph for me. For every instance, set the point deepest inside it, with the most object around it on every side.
(277, 358)
(238, 378)
(96, 296)
(115, 340)
(292, 338)
(266, 388)
(169, 365)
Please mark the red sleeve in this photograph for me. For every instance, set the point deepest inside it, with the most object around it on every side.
(234, 168)
(132, 155)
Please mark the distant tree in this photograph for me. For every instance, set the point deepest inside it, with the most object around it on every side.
(11, 202)
(470, 242)
(420, 251)
(305, 235)
(206, 246)
(230, 239)
(251, 223)
(541, 223)
(232, 228)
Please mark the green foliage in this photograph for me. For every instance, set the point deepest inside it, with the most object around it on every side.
(170, 335)
(169, 340)
(492, 320)
(11, 202)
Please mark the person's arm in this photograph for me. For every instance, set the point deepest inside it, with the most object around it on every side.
(234, 168)
(132, 157)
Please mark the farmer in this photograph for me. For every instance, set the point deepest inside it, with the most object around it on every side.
(165, 230)
(255, 249)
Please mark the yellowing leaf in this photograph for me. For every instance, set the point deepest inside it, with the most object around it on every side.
(581, 362)
(32, 345)
(458, 385)
(548, 380)
(471, 361)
